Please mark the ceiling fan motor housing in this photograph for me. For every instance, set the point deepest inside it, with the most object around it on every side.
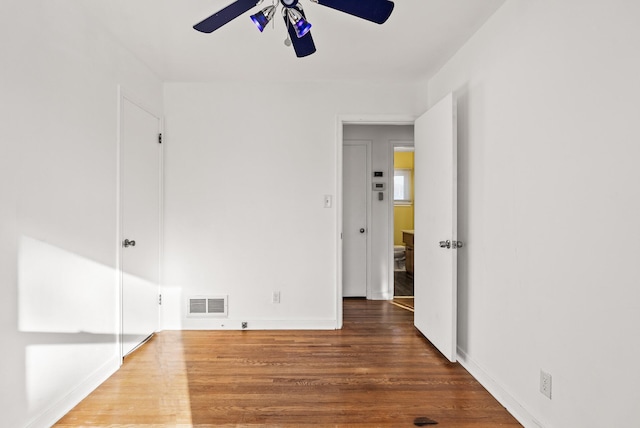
(289, 3)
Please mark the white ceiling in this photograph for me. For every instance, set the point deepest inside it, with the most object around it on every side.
(419, 37)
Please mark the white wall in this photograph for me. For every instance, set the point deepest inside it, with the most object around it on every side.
(549, 205)
(547, 95)
(58, 293)
(247, 166)
(380, 235)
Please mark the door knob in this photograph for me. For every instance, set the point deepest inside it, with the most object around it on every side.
(445, 244)
(362, 230)
(128, 243)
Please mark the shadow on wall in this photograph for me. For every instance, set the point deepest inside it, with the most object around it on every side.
(464, 185)
(66, 331)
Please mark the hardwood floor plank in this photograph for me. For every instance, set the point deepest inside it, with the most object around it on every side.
(378, 371)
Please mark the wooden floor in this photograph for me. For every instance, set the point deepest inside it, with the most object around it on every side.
(404, 302)
(378, 371)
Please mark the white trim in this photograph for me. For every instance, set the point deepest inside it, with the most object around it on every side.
(218, 324)
(403, 148)
(377, 119)
(342, 120)
(61, 407)
(338, 205)
(512, 405)
(403, 145)
(381, 295)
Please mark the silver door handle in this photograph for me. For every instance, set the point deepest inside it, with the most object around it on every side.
(126, 243)
(449, 244)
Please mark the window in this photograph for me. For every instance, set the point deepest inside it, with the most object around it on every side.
(402, 186)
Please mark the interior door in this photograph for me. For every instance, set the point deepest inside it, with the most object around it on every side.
(140, 223)
(354, 224)
(435, 253)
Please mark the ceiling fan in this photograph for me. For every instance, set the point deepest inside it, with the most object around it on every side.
(298, 27)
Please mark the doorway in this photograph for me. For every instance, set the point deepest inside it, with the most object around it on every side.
(403, 221)
(375, 201)
(435, 285)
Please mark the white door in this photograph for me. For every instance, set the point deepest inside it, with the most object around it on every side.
(140, 223)
(354, 224)
(435, 263)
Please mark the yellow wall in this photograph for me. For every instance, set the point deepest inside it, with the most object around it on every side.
(402, 214)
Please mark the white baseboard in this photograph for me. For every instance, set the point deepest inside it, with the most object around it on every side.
(381, 296)
(60, 408)
(507, 400)
(227, 324)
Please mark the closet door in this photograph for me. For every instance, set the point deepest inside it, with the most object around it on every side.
(354, 224)
(140, 223)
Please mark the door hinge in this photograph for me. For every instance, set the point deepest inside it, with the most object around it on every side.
(160, 138)
(160, 299)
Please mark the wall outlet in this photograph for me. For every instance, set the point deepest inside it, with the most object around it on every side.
(545, 384)
(245, 324)
(275, 297)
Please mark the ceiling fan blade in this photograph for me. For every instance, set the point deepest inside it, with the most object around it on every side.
(225, 15)
(304, 45)
(377, 11)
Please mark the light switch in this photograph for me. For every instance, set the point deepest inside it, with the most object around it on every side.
(328, 201)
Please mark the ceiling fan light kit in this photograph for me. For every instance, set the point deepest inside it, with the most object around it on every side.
(300, 24)
(377, 11)
(262, 18)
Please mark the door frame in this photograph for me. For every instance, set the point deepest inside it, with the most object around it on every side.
(122, 95)
(341, 121)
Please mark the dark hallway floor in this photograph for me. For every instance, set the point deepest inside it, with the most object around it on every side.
(402, 284)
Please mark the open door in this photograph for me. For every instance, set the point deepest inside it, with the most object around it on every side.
(435, 241)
